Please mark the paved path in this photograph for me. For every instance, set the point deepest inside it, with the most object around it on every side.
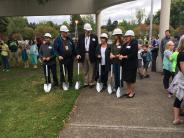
(148, 115)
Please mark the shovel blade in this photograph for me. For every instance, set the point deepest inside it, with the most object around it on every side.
(47, 87)
(109, 89)
(99, 87)
(77, 85)
(119, 92)
(65, 86)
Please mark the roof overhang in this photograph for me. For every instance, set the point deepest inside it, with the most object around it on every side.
(54, 7)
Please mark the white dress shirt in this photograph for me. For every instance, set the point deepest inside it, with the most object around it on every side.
(103, 49)
(87, 42)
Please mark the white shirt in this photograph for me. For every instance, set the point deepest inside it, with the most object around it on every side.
(87, 42)
(177, 86)
(103, 49)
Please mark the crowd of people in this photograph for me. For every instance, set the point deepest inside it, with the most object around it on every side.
(173, 69)
(13, 52)
(126, 56)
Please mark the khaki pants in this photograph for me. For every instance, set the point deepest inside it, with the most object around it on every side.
(89, 71)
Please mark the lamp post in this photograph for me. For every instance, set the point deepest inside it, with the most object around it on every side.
(76, 30)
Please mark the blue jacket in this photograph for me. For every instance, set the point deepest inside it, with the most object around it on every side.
(60, 50)
(147, 56)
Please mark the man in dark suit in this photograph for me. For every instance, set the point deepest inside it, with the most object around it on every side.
(86, 49)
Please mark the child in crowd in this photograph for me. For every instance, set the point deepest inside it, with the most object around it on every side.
(147, 58)
(167, 66)
(33, 53)
(173, 59)
(4, 55)
(24, 55)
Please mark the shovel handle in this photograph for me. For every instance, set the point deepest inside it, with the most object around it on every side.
(64, 70)
(120, 73)
(46, 70)
(99, 69)
(78, 67)
(111, 69)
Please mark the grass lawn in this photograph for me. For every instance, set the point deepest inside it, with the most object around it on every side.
(26, 111)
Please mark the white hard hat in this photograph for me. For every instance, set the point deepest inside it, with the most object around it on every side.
(48, 35)
(64, 28)
(104, 35)
(129, 33)
(87, 27)
(117, 31)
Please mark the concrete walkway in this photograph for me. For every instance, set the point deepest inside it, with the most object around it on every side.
(147, 115)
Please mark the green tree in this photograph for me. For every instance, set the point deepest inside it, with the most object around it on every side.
(104, 29)
(109, 25)
(32, 25)
(176, 16)
(127, 25)
(3, 24)
(16, 25)
(90, 19)
(156, 19)
(43, 28)
(177, 13)
(115, 24)
(66, 23)
(28, 33)
(140, 14)
(180, 30)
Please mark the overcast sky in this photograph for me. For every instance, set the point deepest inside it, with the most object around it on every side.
(119, 12)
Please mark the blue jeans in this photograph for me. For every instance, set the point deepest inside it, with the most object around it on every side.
(116, 70)
(5, 62)
(166, 78)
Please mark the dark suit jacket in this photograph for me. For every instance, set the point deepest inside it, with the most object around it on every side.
(80, 50)
(131, 51)
(107, 56)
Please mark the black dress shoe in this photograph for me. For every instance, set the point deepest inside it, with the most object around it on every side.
(70, 84)
(91, 86)
(55, 84)
(104, 88)
(85, 85)
(147, 76)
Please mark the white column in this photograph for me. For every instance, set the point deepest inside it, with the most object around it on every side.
(164, 25)
(98, 24)
(151, 23)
